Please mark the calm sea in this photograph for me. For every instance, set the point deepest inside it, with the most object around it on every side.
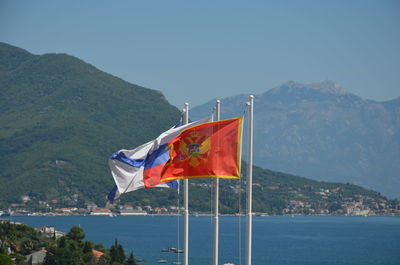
(276, 240)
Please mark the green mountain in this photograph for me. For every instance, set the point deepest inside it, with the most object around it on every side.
(61, 118)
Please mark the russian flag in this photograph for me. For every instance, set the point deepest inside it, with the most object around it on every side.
(142, 166)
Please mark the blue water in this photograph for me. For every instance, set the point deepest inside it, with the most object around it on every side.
(298, 240)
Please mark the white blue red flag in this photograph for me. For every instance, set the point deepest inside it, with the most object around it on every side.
(142, 166)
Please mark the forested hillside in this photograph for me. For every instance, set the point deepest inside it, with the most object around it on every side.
(61, 118)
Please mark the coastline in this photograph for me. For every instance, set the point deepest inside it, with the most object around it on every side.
(192, 215)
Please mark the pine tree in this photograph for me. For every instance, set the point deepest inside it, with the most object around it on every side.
(131, 260)
(76, 233)
(117, 253)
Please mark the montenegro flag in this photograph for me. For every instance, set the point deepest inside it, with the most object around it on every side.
(209, 150)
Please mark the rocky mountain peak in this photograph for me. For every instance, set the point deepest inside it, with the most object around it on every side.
(326, 86)
(321, 131)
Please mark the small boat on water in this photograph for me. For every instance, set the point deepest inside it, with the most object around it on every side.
(172, 250)
(162, 261)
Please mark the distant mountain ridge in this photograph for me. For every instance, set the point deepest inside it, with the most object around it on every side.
(324, 132)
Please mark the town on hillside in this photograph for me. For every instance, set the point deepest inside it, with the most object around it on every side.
(326, 202)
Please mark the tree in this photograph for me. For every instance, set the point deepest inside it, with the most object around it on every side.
(62, 242)
(18, 258)
(99, 247)
(104, 260)
(131, 260)
(76, 233)
(87, 247)
(87, 252)
(117, 253)
(5, 260)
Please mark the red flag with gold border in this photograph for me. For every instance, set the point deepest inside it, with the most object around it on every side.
(209, 150)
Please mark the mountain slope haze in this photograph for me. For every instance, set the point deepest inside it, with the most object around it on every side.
(324, 132)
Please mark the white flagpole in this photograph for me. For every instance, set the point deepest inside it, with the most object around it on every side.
(186, 202)
(249, 183)
(216, 199)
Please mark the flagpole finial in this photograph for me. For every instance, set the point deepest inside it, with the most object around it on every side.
(218, 101)
(186, 104)
(251, 96)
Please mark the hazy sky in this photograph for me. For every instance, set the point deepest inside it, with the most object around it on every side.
(194, 51)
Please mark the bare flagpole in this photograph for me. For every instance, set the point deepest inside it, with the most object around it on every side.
(186, 202)
(216, 199)
(249, 183)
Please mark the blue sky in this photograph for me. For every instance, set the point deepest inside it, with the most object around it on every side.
(194, 51)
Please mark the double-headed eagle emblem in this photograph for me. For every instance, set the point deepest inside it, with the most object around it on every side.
(194, 148)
